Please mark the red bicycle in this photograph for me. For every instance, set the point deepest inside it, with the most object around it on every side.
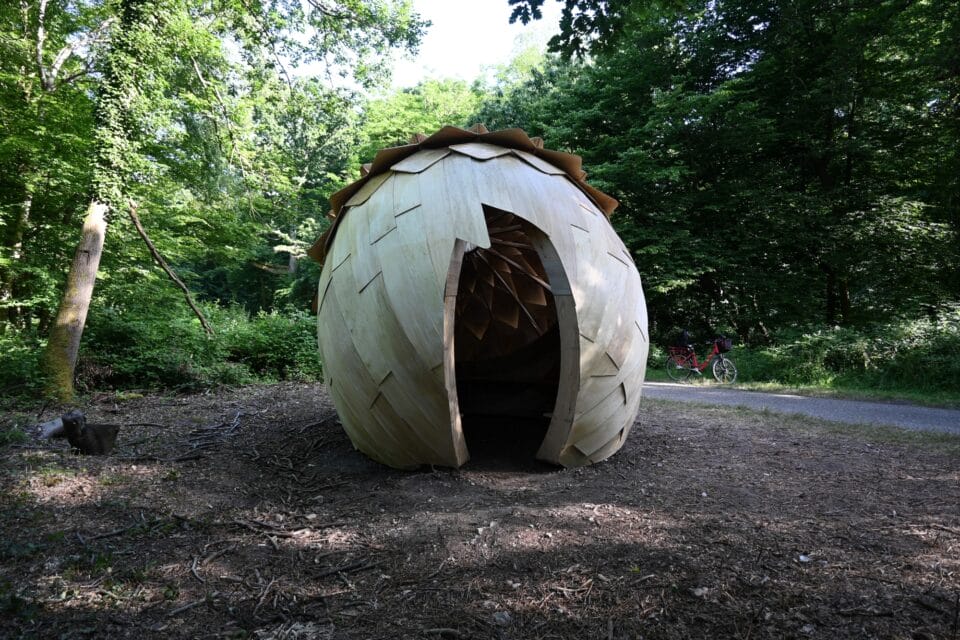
(682, 362)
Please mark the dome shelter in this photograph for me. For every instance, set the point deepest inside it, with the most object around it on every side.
(474, 291)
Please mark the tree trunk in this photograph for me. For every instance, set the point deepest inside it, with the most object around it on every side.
(292, 260)
(844, 301)
(831, 297)
(60, 358)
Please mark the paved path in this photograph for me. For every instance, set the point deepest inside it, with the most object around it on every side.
(907, 416)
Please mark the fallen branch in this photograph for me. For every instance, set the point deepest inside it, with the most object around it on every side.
(163, 265)
(444, 632)
(216, 554)
(193, 570)
(354, 567)
(115, 532)
(189, 605)
(151, 458)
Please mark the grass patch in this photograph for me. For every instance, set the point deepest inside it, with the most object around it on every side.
(928, 398)
(12, 435)
(112, 479)
(52, 474)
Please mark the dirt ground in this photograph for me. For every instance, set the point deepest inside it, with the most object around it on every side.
(248, 514)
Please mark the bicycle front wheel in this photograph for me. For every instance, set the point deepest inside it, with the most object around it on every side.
(677, 371)
(724, 370)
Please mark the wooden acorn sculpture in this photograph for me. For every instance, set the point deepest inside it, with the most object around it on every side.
(89, 439)
(472, 280)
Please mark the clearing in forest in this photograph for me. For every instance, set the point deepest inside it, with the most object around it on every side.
(248, 514)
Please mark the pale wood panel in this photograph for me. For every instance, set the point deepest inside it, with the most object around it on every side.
(598, 386)
(412, 393)
(449, 369)
(611, 314)
(409, 281)
(592, 286)
(451, 210)
(587, 205)
(361, 196)
(600, 425)
(632, 378)
(538, 164)
(406, 193)
(352, 388)
(401, 431)
(392, 362)
(607, 450)
(631, 374)
(462, 200)
(420, 161)
(623, 332)
(354, 230)
(380, 208)
(381, 354)
(564, 409)
(366, 332)
(339, 252)
(595, 427)
(480, 150)
(493, 181)
(323, 284)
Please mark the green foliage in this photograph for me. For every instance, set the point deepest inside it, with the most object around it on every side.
(166, 348)
(20, 371)
(11, 435)
(195, 112)
(783, 168)
(918, 355)
(275, 345)
(425, 108)
(774, 162)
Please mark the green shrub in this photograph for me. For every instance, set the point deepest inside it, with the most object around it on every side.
(921, 355)
(276, 346)
(169, 349)
(19, 365)
(152, 348)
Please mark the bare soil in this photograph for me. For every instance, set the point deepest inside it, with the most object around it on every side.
(248, 514)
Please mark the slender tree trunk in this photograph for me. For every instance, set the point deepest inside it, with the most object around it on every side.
(166, 268)
(845, 308)
(111, 176)
(292, 261)
(60, 358)
(831, 293)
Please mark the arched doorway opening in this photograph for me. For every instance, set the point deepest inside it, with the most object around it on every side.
(507, 339)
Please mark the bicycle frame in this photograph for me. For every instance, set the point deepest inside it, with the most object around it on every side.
(687, 357)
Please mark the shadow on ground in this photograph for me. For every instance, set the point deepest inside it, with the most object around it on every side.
(249, 514)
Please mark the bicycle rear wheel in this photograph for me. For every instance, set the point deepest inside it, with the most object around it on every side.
(724, 370)
(677, 371)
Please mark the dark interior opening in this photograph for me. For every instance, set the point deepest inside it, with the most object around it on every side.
(506, 343)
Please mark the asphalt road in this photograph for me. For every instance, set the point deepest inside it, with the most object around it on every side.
(907, 416)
